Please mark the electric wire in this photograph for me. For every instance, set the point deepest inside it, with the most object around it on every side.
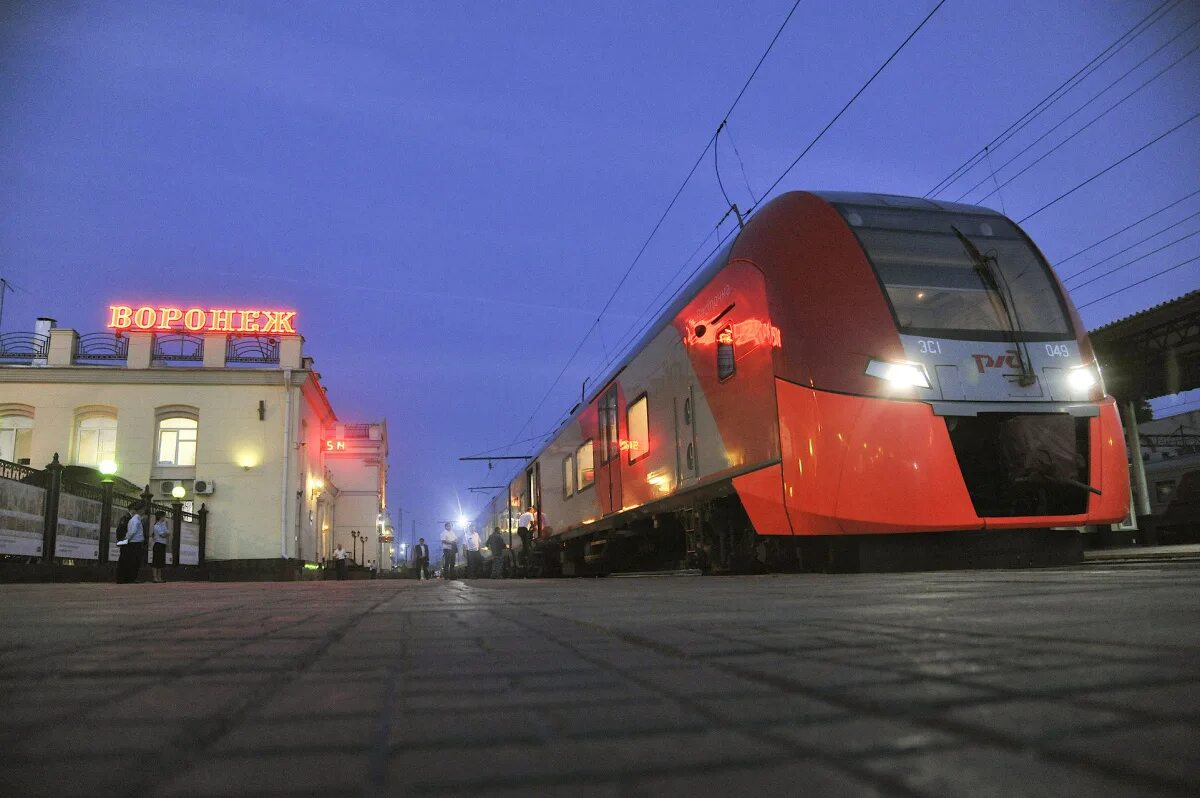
(1110, 167)
(1116, 269)
(741, 163)
(1094, 120)
(1127, 227)
(845, 107)
(1155, 234)
(654, 231)
(1051, 98)
(1139, 282)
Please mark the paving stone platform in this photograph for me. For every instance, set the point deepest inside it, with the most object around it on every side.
(1081, 681)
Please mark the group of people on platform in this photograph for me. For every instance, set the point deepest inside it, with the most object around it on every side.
(132, 539)
(473, 547)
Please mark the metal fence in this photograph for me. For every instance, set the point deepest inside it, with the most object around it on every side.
(44, 516)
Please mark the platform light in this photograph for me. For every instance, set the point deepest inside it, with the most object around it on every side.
(107, 469)
(899, 375)
(462, 522)
(178, 492)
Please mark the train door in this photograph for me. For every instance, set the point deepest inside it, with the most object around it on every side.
(687, 463)
(608, 470)
(533, 488)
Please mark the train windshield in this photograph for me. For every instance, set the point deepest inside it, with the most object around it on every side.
(938, 286)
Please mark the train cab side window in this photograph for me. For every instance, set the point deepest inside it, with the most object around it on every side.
(585, 473)
(568, 473)
(726, 366)
(637, 428)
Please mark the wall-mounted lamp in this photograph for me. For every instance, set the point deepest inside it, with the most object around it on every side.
(247, 460)
(318, 485)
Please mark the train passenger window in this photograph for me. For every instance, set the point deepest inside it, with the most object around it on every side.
(726, 366)
(585, 473)
(637, 427)
(568, 473)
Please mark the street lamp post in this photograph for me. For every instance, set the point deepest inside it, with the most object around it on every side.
(354, 545)
(107, 469)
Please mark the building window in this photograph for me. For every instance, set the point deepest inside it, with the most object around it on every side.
(726, 366)
(585, 473)
(637, 427)
(16, 434)
(177, 441)
(568, 473)
(95, 440)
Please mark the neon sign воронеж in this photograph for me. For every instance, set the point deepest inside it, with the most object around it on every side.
(124, 318)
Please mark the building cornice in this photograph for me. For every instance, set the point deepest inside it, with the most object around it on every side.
(101, 375)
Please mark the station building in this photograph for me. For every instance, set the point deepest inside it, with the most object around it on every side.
(210, 401)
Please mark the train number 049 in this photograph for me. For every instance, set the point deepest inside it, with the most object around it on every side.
(1057, 350)
(930, 347)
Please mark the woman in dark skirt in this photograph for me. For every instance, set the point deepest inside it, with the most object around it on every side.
(159, 558)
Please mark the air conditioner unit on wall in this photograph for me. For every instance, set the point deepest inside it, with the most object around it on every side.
(166, 487)
(203, 487)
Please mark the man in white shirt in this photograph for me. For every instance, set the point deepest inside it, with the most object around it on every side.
(449, 551)
(524, 524)
(474, 559)
(133, 549)
(339, 560)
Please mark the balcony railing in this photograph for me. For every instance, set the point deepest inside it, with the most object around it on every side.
(104, 346)
(23, 347)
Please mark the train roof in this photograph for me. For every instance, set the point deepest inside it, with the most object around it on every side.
(897, 201)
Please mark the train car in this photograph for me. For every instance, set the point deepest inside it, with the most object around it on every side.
(857, 381)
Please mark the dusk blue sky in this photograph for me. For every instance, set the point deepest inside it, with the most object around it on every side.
(448, 192)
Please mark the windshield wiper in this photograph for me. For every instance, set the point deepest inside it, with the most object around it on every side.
(1001, 303)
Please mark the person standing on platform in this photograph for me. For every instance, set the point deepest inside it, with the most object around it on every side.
(339, 561)
(495, 542)
(133, 548)
(449, 551)
(524, 523)
(474, 558)
(159, 556)
(421, 559)
(123, 551)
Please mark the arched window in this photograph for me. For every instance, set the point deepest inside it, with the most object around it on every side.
(16, 432)
(95, 438)
(177, 441)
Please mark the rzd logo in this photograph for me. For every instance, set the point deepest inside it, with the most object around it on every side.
(985, 362)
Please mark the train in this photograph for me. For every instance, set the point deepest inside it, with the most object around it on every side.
(855, 381)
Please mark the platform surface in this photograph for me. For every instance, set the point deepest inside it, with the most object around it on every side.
(1081, 681)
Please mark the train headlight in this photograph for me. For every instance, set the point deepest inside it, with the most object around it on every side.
(1082, 378)
(899, 375)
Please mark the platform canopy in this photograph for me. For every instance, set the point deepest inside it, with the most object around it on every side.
(1152, 353)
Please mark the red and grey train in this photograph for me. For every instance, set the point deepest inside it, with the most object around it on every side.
(855, 381)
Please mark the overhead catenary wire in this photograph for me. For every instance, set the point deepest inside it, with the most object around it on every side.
(1060, 91)
(658, 224)
(1087, 125)
(850, 102)
(1110, 167)
(1125, 288)
(1139, 242)
(1059, 262)
(1116, 269)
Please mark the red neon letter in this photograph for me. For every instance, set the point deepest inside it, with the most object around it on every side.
(222, 320)
(167, 317)
(193, 320)
(120, 317)
(143, 318)
(247, 324)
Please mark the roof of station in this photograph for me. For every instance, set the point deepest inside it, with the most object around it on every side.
(1154, 352)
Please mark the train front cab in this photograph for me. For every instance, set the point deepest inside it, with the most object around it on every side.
(932, 378)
